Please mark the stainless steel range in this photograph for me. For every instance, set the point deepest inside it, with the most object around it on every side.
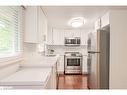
(73, 63)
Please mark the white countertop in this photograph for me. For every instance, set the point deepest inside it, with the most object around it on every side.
(45, 61)
(28, 76)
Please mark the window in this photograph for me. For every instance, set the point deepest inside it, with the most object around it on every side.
(10, 31)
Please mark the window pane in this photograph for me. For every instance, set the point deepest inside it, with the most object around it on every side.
(9, 30)
(6, 36)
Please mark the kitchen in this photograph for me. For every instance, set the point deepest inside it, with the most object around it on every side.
(58, 43)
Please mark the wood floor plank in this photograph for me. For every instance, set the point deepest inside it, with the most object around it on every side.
(72, 82)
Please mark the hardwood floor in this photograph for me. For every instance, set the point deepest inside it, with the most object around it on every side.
(72, 82)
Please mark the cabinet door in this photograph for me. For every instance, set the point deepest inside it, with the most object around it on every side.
(84, 65)
(61, 37)
(97, 24)
(31, 25)
(105, 20)
(84, 37)
(42, 26)
(49, 35)
(68, 33)
(76, 33)
(58, 37)
(61, 65)
(35, 25)
(72, 33)
(54, 76)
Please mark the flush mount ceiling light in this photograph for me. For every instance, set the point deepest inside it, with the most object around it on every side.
(77, 22)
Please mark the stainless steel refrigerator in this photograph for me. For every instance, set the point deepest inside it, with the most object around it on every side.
(98, 59)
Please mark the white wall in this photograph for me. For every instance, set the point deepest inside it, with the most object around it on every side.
(118, 49)
(31, 54)
(61, 49)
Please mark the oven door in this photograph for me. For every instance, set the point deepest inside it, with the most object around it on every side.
(73, 64)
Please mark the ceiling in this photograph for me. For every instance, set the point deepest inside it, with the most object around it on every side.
(58, 16)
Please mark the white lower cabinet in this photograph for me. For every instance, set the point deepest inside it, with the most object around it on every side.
(54, 78)
(49, 83)
(84, 64)
(60, 65)
(52, 81)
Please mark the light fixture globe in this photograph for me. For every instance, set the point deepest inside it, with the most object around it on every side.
(77, 22)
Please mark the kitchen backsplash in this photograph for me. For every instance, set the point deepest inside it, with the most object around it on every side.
(61, 49)
(31, 53)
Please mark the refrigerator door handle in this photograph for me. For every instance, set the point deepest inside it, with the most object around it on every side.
(93, 52)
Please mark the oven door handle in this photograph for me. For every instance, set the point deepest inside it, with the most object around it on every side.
(72, 57)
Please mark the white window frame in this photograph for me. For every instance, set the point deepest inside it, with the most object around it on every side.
(18, 55)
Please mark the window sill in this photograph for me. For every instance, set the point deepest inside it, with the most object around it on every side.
(6, 60)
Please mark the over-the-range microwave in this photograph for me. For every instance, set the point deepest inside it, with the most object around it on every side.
(74, 41)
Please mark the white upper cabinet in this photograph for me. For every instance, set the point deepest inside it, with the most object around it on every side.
(58, 37)
(42, 25)
(76, 33)
(102, 21)
(84, 37)
(72, 33)
(55, 36)
(35, 25)
(68, 33)
(49, 36)
(97, 24)
(105, 20)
